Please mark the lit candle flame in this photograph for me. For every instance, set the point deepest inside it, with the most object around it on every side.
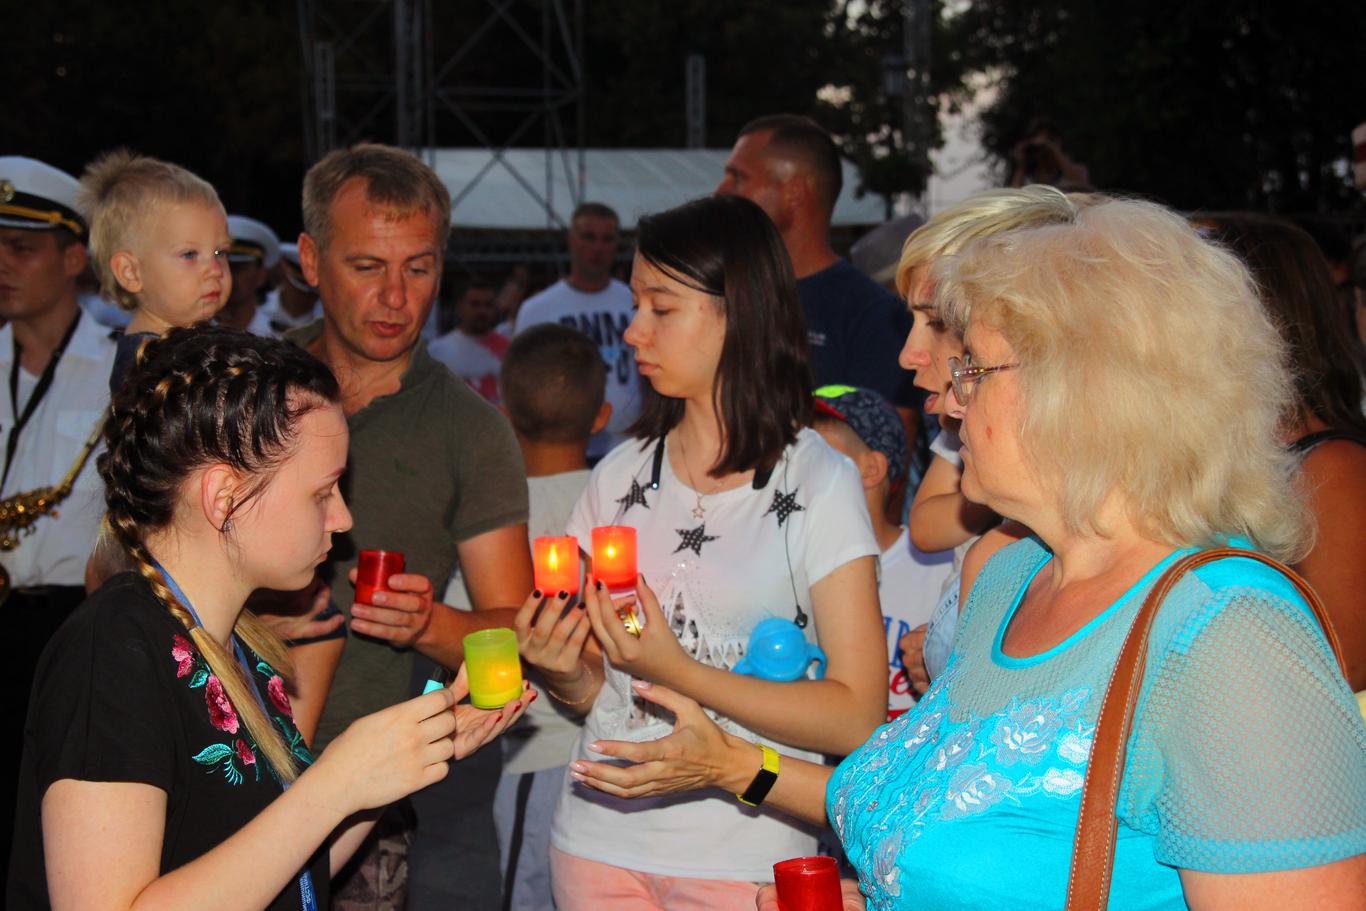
(554, 558)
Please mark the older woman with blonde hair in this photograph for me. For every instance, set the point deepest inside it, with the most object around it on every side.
(1120, 393)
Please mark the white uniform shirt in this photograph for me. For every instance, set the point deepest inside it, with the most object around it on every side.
(602, 316)
(279, 320)
(57, 550)
(716, 580)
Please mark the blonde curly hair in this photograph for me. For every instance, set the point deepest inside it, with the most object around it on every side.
(1149, 370)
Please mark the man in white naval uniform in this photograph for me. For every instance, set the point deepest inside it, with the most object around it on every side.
(55, 362)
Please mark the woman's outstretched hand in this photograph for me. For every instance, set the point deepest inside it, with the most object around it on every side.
(476, 727)
(698, 754)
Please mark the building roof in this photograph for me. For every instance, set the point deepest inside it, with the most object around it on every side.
(506, 193)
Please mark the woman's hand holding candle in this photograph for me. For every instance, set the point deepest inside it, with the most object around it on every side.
(476, 727)
(553, 639)
(655, 654)
(399, 615)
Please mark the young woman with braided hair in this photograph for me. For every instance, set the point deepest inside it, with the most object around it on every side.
(158, 704)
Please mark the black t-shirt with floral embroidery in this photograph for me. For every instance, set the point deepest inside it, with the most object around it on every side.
(122, 695)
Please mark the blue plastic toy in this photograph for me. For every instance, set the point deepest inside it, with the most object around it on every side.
(778, 650)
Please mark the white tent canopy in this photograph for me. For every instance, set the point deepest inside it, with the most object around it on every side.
(488, 194)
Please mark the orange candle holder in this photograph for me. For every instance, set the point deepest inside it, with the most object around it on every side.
(556, 564)
(614, 557)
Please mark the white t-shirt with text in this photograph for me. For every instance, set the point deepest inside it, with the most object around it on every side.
(909, 588)
(602, 316)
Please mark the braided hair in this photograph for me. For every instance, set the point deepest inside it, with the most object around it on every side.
(197, 397)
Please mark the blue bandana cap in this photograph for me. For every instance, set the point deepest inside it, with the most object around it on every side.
(873, 421)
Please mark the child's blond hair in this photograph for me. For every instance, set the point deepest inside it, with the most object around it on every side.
(119, 190)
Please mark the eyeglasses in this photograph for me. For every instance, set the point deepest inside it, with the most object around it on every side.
(965, 377)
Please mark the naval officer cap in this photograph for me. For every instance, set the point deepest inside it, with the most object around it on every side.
(38, 197)
(252, 241)
(293, 269)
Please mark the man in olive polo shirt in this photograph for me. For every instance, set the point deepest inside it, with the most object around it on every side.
(434, 472)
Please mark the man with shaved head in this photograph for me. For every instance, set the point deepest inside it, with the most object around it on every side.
(791, 168)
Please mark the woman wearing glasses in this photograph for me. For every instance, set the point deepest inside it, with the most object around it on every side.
(1125, 430)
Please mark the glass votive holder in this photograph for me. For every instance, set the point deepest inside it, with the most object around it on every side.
(373, 572)
(493, 667)
(808, 884)
(556, 565)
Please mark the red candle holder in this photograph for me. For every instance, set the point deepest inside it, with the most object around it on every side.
(808, 884)
(373, 572)
(556, 563)
(614, 557)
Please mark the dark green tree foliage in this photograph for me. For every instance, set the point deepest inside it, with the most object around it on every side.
(212, 86)
(882, 105)
(1217, 104)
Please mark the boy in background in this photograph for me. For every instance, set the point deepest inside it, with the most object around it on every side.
(552, 380)
(863, 426)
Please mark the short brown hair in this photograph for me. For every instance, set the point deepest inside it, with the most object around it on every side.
(393, 178)
(595, 210)
(806, 142)
(553, 381)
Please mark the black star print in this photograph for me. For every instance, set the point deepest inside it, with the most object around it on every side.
(637, 495)
(785, 504)
(693, 539)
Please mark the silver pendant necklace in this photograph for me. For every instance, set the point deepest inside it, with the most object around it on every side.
(699, 511)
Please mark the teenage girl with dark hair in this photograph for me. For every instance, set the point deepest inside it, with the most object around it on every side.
(159, 736)
(743, 514)
(1327, 428)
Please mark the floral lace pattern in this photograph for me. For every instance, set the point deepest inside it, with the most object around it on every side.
(924, 770)
(235, 756)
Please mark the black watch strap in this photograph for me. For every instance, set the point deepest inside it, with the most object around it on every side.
(764, 779)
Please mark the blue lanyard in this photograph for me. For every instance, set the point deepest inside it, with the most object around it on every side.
(308, 897)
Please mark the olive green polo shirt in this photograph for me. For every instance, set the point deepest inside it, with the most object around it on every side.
(430, 465)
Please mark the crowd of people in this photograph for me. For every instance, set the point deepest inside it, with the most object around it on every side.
(1100, 387)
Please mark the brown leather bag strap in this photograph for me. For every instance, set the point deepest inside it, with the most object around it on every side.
(1093, 850)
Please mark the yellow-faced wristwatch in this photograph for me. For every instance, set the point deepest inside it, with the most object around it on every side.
(763, 779)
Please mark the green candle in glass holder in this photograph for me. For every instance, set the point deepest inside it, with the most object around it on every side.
(493, 667)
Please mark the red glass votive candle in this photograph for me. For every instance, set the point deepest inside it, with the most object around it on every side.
(373, 572)
(556, 563)
(614, 557)
(808, 884)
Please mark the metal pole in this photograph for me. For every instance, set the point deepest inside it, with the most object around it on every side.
(695, 100)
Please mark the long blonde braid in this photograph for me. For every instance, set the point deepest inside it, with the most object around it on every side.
(197, 397)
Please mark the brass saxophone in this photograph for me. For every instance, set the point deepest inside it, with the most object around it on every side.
(19, 513)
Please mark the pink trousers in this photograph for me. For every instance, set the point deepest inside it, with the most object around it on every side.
(586, 885)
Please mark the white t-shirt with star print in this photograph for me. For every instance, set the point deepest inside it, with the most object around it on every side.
(716, 579)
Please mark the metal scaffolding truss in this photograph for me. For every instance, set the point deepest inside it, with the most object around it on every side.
(372, 70)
